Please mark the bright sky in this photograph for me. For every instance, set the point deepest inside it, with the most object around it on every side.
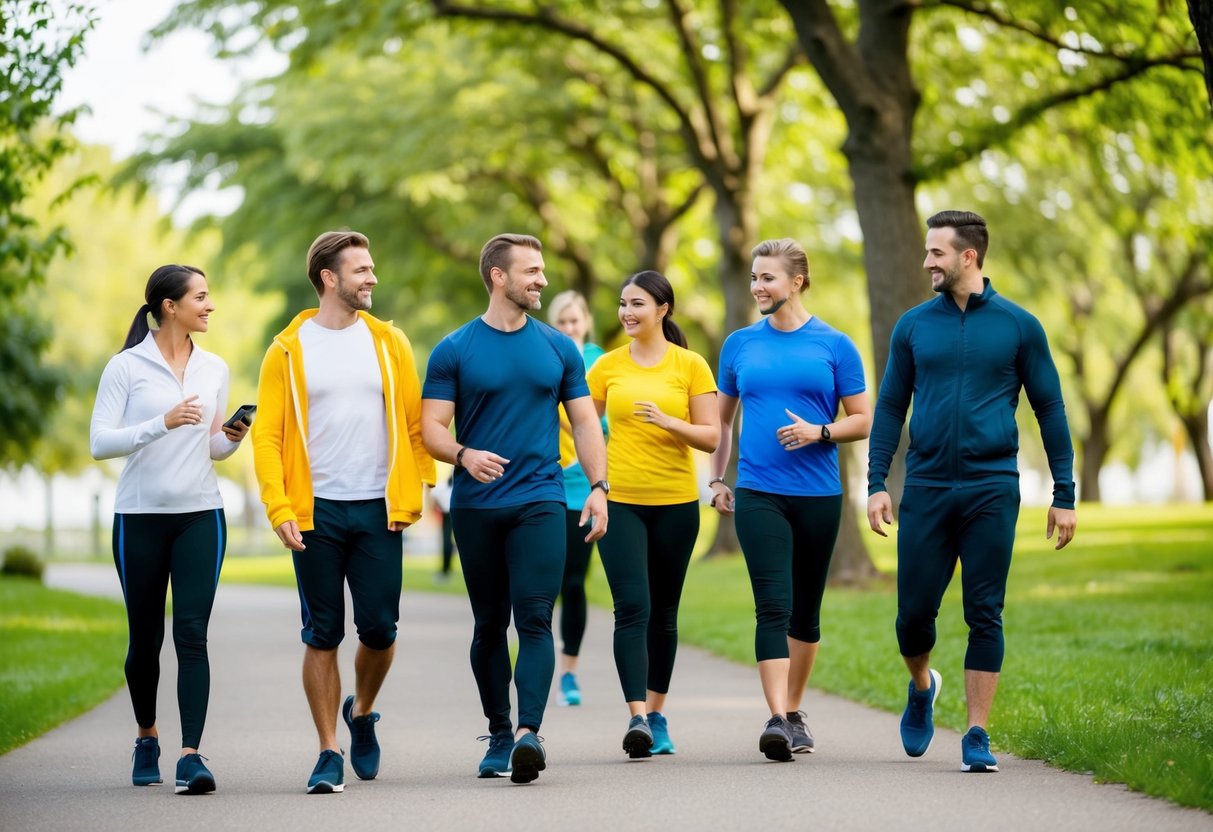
(130, 91)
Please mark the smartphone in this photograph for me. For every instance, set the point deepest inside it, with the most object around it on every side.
(244, 413)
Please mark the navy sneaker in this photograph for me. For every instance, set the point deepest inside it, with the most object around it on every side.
(802, 737)
(496, 762)
(328, 777)
(146, 759)
(193, 777)
(639, 739)
(918, 721)
(364, 748)
(662, 744)
(570, 694)
(776, 739)
(975, 751)
(527, 759)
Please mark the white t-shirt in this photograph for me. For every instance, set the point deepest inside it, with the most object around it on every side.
(346, 420)
(167, 471)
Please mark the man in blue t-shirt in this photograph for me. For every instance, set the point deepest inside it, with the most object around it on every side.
(500, 378)
(962, 357)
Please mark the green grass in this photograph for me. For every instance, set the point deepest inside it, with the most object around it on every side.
(1109, 665)
(60, 654)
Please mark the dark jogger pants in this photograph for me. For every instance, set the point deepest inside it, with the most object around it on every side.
(937, 527)
(150, 550)
(572, 589)
(512, 559)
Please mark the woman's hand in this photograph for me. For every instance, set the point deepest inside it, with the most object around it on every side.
(722, 498)
(188, 412)
(237, 431)
(651, 413)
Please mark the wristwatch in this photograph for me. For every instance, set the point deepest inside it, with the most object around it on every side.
(825, 434)
(604, 485)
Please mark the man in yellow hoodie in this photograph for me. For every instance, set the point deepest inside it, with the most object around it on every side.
(338, 453)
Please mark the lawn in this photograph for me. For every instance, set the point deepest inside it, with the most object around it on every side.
(60, 654)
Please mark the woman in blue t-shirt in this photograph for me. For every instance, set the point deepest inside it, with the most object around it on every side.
(789, 371)
(570, 313)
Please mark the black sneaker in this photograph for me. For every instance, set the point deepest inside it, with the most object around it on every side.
(364, 748)
(776, 740)
(527, 759)
(802, 737)
(193, 777)
(145, 770)
(638, 741)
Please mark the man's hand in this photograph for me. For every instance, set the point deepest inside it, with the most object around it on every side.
(484, 466)
(289, 534)
(880, 508)
(1065, 520)
(596, 512)
(722, 498)
(397, 526)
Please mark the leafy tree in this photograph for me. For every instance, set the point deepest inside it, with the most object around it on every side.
(38, 44)
(1188, 379)
(1201, 12)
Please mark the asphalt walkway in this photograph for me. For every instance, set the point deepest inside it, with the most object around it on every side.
(261, 746)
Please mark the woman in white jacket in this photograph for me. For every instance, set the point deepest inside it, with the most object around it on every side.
(161, 403)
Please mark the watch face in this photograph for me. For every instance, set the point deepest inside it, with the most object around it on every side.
(604, 485)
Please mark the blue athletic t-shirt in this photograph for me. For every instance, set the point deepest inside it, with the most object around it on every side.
(505, 386)
(806, 371)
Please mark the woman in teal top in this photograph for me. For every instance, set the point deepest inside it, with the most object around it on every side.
(570, 313)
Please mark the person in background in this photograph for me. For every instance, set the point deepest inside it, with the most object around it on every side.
(660, 402)
(161, 403)
(570, 314)
(788, 373)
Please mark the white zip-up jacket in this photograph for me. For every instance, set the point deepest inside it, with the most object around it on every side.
(168, 471)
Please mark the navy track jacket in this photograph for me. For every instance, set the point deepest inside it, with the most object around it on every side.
(964, 371)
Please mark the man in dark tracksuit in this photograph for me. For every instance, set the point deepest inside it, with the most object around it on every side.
(963, 357)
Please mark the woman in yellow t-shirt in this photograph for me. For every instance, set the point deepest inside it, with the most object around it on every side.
(660, 402)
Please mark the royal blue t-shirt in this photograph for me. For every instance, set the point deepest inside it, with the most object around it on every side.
(806, 371)
(505, 386)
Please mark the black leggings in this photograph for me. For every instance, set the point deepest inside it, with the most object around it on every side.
(787, 543)
(512, 558)
(572, 590)
(149, 551)
(645, 554)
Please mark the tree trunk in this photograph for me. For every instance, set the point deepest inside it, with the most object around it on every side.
(1201, 13)
(1094, 451)
(1196, 425)
(48, 532)
(851, 564)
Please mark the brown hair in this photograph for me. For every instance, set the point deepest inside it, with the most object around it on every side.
(166, 283)
(497, 254)
(325, 253)
(790, 252)
(656, 284)
(970, 228)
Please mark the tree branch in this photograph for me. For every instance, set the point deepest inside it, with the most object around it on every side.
(791, 60)
(835, 59)
(693, 55)
(698, 143)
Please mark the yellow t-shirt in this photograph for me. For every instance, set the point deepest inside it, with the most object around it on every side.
(648, 465)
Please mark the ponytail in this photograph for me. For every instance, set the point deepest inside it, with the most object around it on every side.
(656, 284)
(166, 283)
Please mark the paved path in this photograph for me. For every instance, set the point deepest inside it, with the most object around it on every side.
(261, 747)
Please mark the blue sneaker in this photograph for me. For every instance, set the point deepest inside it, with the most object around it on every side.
(662, 744)
(527, 759)
(146, 759)
(639, 739)
(193, 777)
(364, 748)
(328, 777)
(496, 762)
(570, 694)
(975, 751)
(918, 721)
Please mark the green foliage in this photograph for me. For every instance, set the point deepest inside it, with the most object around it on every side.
(39, 41)
(60, 655)
(22, 562)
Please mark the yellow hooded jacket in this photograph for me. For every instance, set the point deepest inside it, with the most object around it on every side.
(280, 454)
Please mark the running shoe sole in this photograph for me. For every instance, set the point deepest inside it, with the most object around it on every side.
(527, 762)
(202, 784)
(638, 743)
(977, 767)
(775, 747)
(325, 787)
